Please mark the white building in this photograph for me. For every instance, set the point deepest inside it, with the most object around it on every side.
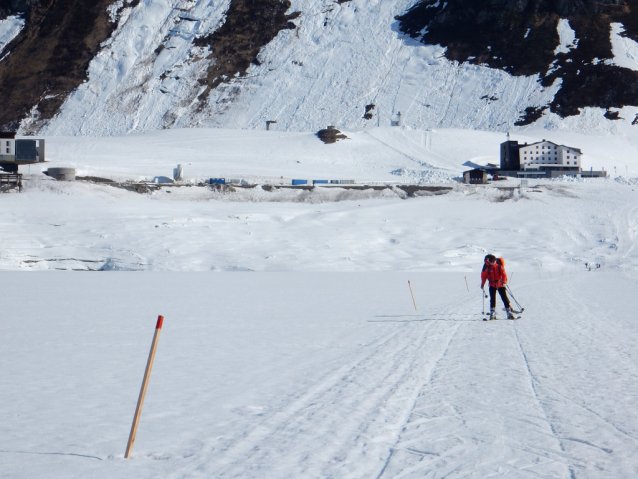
(15, 152)
(548, 156)
(8, 146)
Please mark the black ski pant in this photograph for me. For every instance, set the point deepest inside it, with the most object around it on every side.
(503, 292)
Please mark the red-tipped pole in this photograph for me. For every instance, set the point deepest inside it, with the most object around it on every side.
(412, 293)
(147, 374)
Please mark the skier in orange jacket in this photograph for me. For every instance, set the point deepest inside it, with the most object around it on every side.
(494, 272)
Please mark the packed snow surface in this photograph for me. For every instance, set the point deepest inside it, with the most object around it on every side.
(310, 359)
(317, 375)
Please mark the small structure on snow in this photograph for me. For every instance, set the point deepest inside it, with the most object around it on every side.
(61, 174)
(22, 151)
(477, 176)
(178, 173)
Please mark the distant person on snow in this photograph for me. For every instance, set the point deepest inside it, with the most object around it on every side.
(494, 272)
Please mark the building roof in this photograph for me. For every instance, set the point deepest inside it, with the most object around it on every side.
(552, 143)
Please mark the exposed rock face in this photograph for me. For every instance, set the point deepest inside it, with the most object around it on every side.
(15, 7)
(249, 26)
(520, 37)
(50, 56)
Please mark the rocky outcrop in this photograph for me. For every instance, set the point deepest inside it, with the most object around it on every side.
(520, 37)
(249, 26)
(50, 56)
(16, 7)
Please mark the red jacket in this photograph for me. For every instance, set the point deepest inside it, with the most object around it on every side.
(495, 274)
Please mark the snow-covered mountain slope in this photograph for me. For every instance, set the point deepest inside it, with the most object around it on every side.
(339, 58)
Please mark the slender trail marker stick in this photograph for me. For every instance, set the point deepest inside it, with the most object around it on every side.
(412, 293)
(467, 285)
(147, 374)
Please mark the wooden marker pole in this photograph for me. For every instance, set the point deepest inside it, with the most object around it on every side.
(412, 293)
(147, 374)
(467, 285)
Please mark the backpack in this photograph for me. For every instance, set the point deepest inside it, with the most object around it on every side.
(499, 261)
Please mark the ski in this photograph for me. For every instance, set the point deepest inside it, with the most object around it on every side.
(494, 319)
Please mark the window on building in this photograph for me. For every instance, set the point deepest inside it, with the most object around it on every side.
(8, 150)
(568, 162)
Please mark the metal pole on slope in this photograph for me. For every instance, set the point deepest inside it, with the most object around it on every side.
(147, 375)
(412, 293)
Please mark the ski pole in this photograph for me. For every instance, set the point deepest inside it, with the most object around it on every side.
(512, 295)
(484, 296)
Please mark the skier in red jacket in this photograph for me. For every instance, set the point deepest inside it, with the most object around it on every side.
(494, 272)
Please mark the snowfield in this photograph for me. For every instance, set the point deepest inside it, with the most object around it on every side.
(548, 225)
(309, 359)
(318, 375)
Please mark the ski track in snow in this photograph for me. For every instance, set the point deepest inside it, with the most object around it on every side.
(354, 413)
(420, 403)
(432, 393)
(488, 412)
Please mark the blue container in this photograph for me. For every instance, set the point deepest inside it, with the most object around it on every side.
(316, 182)
(334, 182)
(217, 181)
(299, 182)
